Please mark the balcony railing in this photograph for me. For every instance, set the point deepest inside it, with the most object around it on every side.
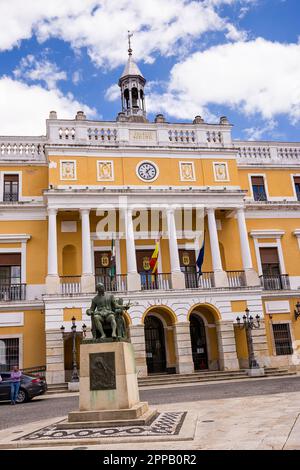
(117, 283)
(194, 281)
(10, 292)
(160, 281)
(70, 285)
(236, 278)
(275, 282)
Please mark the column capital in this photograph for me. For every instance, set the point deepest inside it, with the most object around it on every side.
(84, 211)
(52, 211)
(210, 210)
(240, 210)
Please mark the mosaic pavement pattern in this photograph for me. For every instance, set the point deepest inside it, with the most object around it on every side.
(168, 423)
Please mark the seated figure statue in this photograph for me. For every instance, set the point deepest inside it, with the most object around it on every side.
(102, 312)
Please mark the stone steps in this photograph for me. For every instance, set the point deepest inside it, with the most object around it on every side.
(57, 388)
(209, 376)
(195, 377)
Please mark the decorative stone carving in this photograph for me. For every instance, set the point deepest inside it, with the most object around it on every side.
(187, 171)
(68, 170)
(221, 172)
(105, 170)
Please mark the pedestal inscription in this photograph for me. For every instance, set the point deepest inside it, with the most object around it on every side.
(102, 371)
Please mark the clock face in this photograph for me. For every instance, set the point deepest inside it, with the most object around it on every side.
(147, 171)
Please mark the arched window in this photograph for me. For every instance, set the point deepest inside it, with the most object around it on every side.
(126, 97)
(135, 98)
(142, 97)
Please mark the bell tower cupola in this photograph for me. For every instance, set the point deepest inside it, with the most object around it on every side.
(132, 85)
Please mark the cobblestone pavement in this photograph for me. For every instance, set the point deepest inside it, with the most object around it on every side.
(52, 407)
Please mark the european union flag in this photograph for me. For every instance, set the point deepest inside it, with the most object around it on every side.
(200, 259)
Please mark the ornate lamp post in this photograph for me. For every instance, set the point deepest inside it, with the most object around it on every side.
(248, 325)
(75, 376)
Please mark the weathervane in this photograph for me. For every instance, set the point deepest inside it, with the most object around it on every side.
(129, 43)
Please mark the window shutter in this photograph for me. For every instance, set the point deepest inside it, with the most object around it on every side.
(10, 259)
(257, 180)
(11, 178)
(269, 255)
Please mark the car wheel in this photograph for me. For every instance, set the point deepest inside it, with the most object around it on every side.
(22, 396)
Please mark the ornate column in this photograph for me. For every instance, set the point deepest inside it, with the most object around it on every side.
(220, 275)
(178, 280)
(228, 359)
(183, 346)
(133, 277)
(52, 279)
(87, 277)
(251, 275)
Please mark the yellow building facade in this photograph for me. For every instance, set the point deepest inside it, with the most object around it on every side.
(88, 202)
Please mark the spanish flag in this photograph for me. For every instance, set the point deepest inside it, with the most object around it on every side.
(154, 258)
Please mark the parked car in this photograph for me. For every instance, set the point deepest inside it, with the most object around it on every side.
(30, 387)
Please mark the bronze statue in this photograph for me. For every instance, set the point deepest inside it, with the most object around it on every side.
(107, 311)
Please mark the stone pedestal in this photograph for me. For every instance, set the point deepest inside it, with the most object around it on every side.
(108, 388)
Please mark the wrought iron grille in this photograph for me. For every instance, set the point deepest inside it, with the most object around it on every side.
(9, 353)
(282, 338)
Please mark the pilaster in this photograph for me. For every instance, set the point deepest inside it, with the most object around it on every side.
(183, 347)
(227, 347)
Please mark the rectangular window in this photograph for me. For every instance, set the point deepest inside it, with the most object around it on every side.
(282, 339)
(258, 188)
(10, 268)
(297, 186)
(11, 188)
(270, 261)
(9, 353)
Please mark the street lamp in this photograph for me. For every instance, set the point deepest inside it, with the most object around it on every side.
(297, 310)
(248, 325)
(75, 376)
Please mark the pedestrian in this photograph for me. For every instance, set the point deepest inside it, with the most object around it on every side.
(15, 377)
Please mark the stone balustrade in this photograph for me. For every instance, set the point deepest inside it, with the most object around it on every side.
(273, 153)
(16, 148)
(124, 133)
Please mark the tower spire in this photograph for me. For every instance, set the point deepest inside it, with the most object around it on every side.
(132, 85)
(129, 43)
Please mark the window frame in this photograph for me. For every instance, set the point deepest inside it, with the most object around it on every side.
(289, 330)
(262, 175)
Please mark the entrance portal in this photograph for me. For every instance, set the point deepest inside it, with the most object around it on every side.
(198, 339)
(155, 345)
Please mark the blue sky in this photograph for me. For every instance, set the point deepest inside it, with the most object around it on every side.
(239, 58)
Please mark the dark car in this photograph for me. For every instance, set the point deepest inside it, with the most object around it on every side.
(30, 387)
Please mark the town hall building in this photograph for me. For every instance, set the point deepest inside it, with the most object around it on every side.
(96, 201)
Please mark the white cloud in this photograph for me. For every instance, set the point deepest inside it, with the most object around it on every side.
(113, 93)
(76, 77)
(256, 133)
(33, 70)
(24, 108)
(165, 26)
(257, 76)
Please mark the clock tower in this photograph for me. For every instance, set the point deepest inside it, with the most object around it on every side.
(132, 85)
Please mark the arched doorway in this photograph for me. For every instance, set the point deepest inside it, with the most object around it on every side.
(204, 336)
(199, 343)
(155, 345)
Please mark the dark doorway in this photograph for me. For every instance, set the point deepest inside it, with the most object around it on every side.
(198, 339)
(155, 345)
